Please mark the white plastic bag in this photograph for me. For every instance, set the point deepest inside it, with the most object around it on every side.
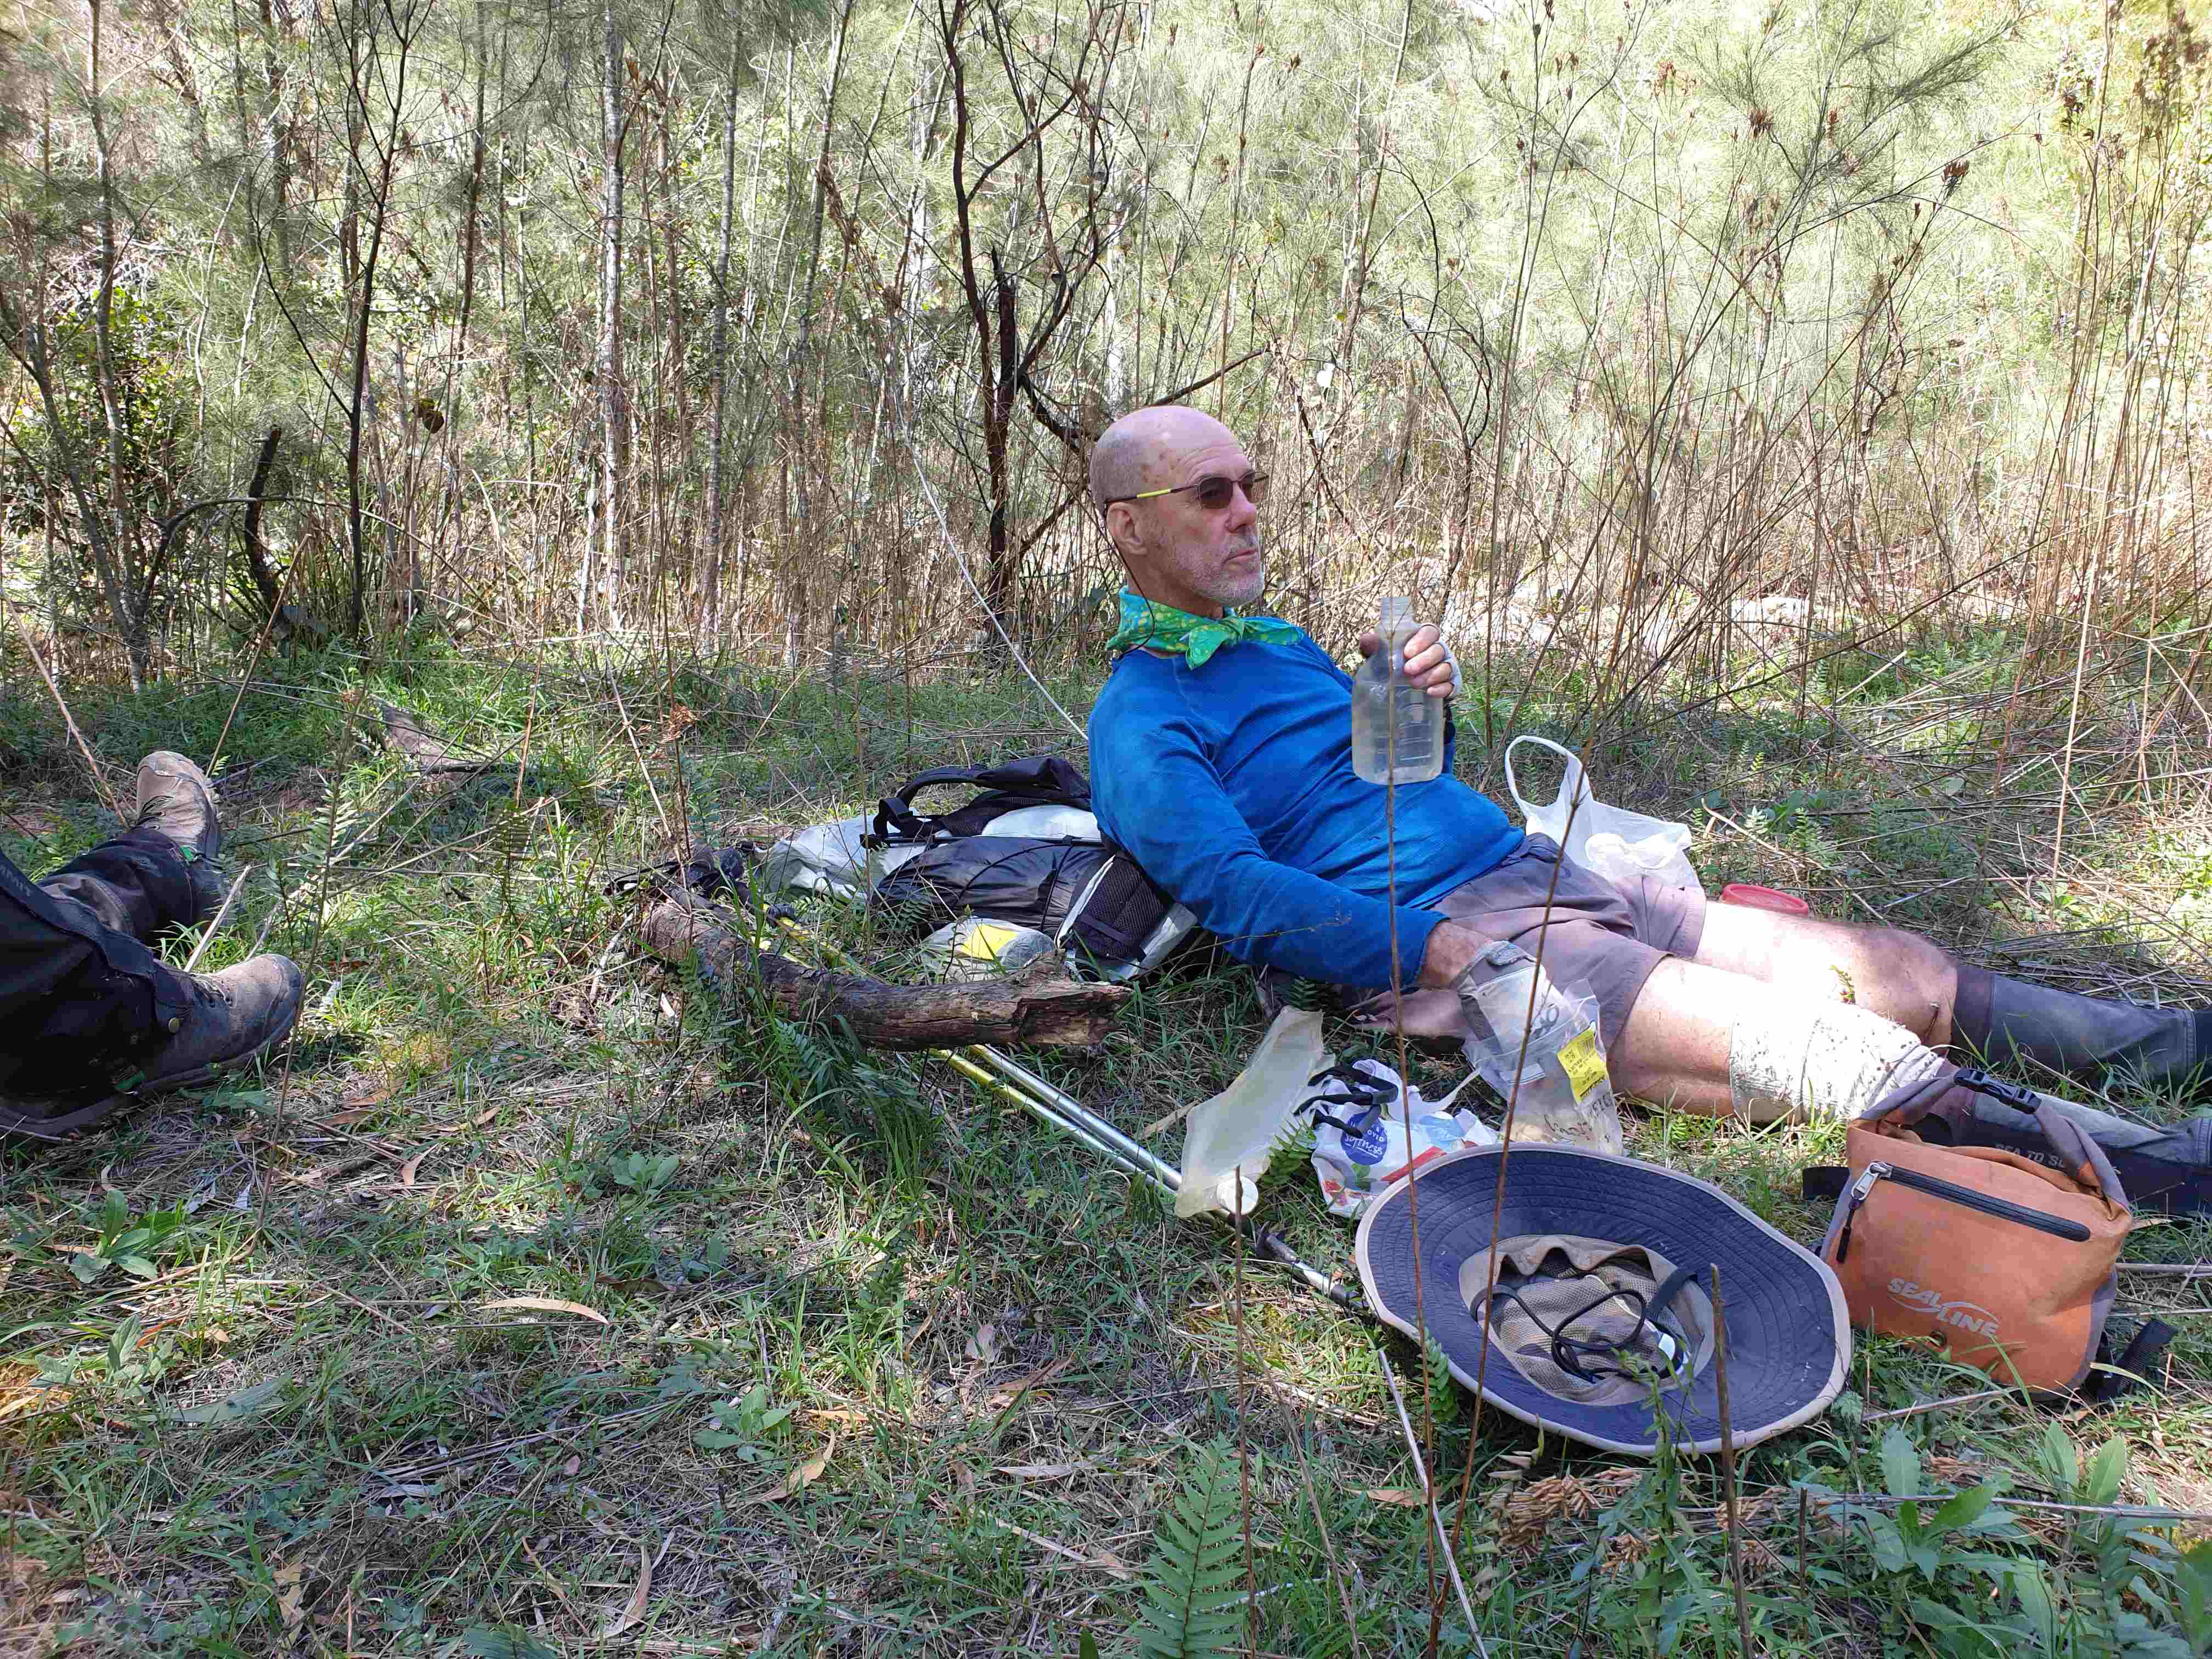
(1358, 1114)
(828, 857)
(1616, 843)
(1236, 1131)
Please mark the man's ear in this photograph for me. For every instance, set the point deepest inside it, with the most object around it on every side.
(1121, 529)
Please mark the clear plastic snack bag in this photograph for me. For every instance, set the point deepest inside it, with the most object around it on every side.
(1537, 1044)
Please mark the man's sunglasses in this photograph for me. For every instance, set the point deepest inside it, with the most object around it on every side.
(1214, 491)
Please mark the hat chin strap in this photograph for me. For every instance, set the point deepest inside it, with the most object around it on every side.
(1821, 1061)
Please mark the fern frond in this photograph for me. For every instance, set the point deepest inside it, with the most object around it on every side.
(1444, 1389)
(1288, 1151)
(1191, 1596)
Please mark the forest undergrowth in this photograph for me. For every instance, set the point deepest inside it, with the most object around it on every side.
(537, 1303)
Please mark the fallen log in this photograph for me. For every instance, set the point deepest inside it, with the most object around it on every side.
(443, 767)
(432, 756)
(1043, 1009)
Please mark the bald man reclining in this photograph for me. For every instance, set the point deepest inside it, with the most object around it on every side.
(1221, 758)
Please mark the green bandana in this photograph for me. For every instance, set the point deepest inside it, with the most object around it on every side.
(1148, 623)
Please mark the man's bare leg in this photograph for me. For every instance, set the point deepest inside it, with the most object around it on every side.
(1900, 975)
(1676, 1048)
(1969, 1010)
(1709, 1040)
(1703, 1039)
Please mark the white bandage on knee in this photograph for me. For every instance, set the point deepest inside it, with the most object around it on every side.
(1820, 1061)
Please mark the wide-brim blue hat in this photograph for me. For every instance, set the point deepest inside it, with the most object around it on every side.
(1789, 1334)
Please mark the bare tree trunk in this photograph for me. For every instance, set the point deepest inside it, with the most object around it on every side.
(403, 32)
(711, 579)
(129, 606)
(279, 138)
(614, 435)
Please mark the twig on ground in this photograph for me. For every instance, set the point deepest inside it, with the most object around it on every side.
(1421, 1476)
(99, 778)
(1728, 1467)
(1922, 1408)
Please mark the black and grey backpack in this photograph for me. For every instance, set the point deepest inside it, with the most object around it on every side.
(1022, 849)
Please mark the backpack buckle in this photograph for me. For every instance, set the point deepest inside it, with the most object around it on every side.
(2017, 1096)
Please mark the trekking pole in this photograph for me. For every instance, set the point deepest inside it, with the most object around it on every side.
(999, 1085)
(1062, 1111)
(1065, 1113)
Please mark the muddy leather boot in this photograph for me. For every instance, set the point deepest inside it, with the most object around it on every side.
(231, 1017)
(177, 798)
(228, 1018)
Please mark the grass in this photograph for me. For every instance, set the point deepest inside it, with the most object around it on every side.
(824, 1352)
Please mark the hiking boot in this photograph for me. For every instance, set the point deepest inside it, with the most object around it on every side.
(230, 1018)
(176, 798)
(2088, 1038)
(233, 1016)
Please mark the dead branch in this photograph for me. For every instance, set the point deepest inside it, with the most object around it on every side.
(1049, 1012)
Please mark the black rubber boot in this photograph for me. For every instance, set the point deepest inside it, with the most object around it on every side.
(2086, 1037)
(2167, 1169)
(177, 799)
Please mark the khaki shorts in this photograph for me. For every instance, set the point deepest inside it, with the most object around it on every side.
(1602, 940)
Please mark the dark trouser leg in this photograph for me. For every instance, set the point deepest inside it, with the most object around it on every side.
(136, 883)
(2083, 1036)
(79, 990)
(2159, 1168)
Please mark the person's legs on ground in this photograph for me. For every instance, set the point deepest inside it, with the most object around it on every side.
(159, 872)
(72, 989)
(1721, 1044)
(88, 1011)
(1948, 1004)
(1900, 975)
(76, 980)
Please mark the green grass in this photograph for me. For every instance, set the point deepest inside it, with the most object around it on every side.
(819, 1277)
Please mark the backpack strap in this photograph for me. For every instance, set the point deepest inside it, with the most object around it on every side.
(895, 812)
(2133, 1367)
(1033, 781)
(1115, 918)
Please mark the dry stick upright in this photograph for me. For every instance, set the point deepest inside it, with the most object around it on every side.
(1727, 1465)
(1504, 1158)
(1388, 645)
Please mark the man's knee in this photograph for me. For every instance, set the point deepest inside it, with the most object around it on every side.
(1819, 1061)
(1918, 982)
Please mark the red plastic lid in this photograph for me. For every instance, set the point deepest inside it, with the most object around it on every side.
(1765, 898)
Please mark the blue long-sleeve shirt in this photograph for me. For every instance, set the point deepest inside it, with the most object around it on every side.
(1232, 784)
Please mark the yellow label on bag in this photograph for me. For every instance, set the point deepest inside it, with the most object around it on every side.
(987, 940)
(1584, 1066)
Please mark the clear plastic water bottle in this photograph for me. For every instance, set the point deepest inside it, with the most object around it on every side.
(1397, 728)
(1558, 1083)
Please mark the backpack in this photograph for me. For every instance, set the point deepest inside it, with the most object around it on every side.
(1024, 850)
(2004, 1261)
